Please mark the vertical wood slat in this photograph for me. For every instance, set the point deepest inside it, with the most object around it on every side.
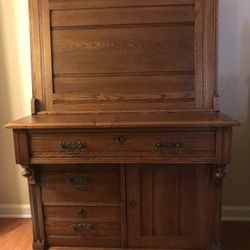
(202, 179)
(166, 202)
(187, 201)
(133, 193)
(36, 54)
(123, 206)
(146, 201)
(198, 44)
(47, 53)
(210, 52)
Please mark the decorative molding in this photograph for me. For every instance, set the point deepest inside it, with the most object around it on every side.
(15, 211)
(236, 213)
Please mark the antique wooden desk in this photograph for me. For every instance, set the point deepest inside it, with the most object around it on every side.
(125, 147)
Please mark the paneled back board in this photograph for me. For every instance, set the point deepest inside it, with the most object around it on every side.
(123, 55)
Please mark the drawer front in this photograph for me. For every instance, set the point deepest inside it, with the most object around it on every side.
(186, 146)
(76, 233)
(80, 184)
(90, 213)
(83, 228)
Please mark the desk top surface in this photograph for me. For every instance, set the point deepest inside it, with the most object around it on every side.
(125, 120)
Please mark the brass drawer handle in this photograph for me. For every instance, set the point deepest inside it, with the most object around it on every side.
(72, 147)
(82, 228)
(171, 146)
(80, 182)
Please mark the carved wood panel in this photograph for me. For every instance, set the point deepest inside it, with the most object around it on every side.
(168, 206)
(95, 50)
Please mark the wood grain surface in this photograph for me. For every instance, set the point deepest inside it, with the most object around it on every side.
(110, 55)
(125, 119)
(17, 234)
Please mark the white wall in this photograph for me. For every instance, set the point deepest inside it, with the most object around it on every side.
(234, 88)
(15, 93)
(234, 82)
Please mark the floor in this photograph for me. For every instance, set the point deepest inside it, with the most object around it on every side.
(16, 234)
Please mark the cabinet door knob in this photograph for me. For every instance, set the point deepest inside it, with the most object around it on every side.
(132, 204)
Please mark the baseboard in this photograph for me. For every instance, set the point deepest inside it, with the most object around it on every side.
(229, 213)
(236, 213)
(15, 211)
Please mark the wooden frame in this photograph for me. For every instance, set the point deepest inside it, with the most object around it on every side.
(205, 53)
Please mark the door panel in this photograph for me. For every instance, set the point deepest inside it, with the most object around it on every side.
(168, 206)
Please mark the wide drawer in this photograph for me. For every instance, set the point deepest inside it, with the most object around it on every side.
(123, 147)
(80, 184)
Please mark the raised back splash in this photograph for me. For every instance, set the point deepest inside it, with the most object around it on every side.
(123, 55)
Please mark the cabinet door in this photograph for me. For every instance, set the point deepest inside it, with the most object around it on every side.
(168, 206)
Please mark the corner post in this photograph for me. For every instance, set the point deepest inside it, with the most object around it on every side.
(32, 174)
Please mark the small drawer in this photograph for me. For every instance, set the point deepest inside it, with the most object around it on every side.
(91, 213)
(83, 228)
(124, 147)
(82, 233)
(80, 184)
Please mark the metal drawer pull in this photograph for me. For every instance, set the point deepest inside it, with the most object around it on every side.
(72, 147)
(171, 146)
(82, 228)
(80, 182)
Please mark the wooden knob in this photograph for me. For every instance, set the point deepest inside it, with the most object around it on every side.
(121, 139)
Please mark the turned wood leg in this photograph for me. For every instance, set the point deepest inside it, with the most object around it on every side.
(36, 207)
